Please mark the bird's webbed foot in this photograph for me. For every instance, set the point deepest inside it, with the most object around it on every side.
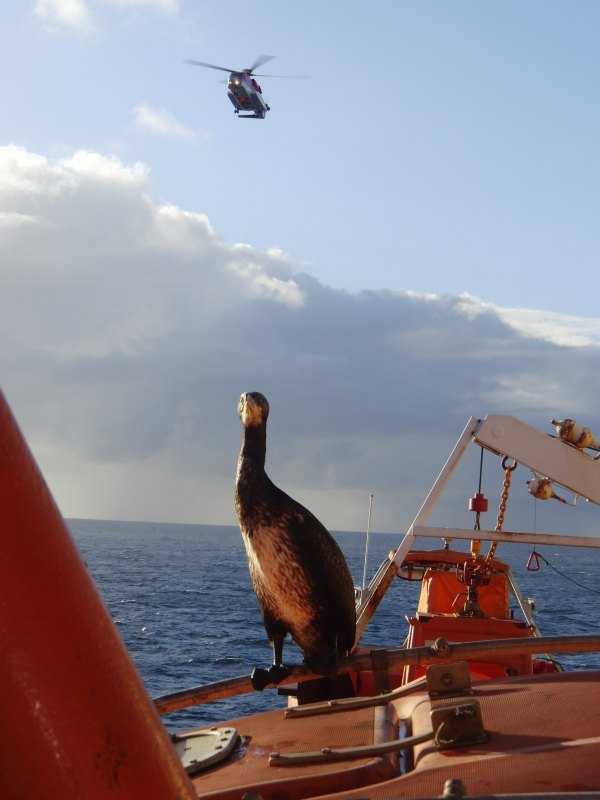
(278, 672)
(261, 678)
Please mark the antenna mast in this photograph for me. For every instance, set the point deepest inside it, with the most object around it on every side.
(364, 582)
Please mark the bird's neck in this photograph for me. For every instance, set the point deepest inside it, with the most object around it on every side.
(254, 444)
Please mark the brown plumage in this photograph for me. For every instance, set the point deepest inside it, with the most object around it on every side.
(298, 571)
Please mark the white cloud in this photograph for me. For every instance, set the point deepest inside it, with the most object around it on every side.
(560, 329)
(71, 15)
(167, 6)
(161, 122)
(128, 329)
(75, 16)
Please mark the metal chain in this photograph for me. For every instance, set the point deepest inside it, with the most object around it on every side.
(503, 499)
(508, 471)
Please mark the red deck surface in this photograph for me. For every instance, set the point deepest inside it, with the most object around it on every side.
(249, 770)
(544, 736)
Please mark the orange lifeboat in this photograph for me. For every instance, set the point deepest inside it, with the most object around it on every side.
(438, 614)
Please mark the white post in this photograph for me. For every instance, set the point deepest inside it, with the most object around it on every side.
(437, 488)
(364, 583)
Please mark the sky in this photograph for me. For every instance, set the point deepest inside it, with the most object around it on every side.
(409, 238)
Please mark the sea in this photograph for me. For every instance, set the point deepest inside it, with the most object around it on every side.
(181, 598)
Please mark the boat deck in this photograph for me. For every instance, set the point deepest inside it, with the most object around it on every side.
(248, 769)
(544, 735)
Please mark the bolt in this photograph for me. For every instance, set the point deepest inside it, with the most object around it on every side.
(441, 646)
(454, 788)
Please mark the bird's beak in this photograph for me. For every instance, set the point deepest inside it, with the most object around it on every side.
(250, 413)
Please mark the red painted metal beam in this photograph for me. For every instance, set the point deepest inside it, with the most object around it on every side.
(75, 718)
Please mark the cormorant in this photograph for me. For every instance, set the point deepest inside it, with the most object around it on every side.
(298, 571)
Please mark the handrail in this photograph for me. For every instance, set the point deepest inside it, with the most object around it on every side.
(353, 703)
(510, 537)
(327, 754)
(440, 652)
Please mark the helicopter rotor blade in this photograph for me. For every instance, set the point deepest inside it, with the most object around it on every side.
(282, 76)
(211, 66)
(259, 62)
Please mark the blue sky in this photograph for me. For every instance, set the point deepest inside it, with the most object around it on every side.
(437, 147)
(409, 238)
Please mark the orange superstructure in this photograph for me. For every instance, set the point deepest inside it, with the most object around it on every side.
(438, 613)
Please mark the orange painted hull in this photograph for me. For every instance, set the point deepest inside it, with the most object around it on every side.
(76, 721)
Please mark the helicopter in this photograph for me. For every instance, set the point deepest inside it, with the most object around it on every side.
(243, 90)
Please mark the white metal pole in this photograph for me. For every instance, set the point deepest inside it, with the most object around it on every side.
(437, 488)
(364, 583)
(366, 608)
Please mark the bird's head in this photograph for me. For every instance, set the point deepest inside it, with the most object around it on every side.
(253, 409)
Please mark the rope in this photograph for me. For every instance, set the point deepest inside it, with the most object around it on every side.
(545, 560)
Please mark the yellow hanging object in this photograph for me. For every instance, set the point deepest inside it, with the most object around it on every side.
(542, 489)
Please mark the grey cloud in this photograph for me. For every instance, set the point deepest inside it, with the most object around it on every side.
(129, 330)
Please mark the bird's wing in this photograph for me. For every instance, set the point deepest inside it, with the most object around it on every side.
(328, 562)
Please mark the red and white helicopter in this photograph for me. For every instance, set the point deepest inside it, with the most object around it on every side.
(243, 90)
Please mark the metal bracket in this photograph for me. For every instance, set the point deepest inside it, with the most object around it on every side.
(448, 680)
(457, 724)
(381, 674)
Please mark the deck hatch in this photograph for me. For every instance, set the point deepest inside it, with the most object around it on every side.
(202, 749)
